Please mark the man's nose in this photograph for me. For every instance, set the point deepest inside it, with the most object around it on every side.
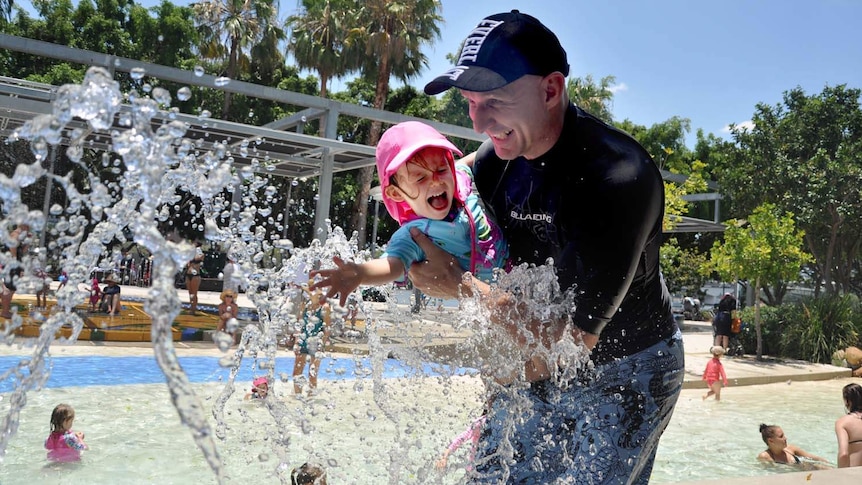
(480, 117)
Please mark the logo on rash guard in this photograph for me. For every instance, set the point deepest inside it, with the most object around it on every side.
(540, 217)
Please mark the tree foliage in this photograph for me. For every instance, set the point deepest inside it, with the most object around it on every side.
(594, 98)
(803, 155)
(767, 250)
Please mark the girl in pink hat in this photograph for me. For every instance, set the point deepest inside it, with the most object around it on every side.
(422, 187)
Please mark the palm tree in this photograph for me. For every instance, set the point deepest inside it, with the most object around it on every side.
(6, 9)
(387, 39)
(232, 29)
(317, 36)
(593, 98)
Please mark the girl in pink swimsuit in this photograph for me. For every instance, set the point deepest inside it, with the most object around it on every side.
(714, 373)
(63, 444)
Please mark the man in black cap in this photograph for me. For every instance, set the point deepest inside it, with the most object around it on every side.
(564, 186)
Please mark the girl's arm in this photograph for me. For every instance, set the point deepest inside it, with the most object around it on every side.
(75, 441)
(723, 375)
(347, 276)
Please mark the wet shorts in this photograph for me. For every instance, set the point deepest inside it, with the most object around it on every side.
(602, 429)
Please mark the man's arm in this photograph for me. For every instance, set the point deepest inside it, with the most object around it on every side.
(441, 276)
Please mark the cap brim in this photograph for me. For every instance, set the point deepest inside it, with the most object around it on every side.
(471, 78)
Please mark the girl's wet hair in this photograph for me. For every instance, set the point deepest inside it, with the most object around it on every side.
(853, 397)
(59, 416)
(768, 431)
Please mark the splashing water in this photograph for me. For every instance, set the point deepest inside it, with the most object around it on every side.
(158, 163)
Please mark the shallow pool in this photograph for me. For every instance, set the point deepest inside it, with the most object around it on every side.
(392, 434)
(709, 440)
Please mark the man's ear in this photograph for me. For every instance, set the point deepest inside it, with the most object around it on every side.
(554, 85)
(394, 193)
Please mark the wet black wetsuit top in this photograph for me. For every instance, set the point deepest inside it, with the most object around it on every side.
(594, 204)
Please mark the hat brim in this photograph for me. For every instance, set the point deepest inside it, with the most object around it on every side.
(471, 78)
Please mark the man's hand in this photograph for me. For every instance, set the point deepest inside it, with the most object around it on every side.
(439, 275)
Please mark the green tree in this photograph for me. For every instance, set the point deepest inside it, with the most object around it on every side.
(767, 250)
(316, 40)
(805, 155)
(232, 29)
(595, 98)
(389, 36)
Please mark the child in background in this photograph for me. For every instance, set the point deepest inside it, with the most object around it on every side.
(227, 309)
(63, 279)
(308, 474)
(95, 295)
(315, 322)
(714, 373)
(471, 434)
(43, 286)
(259, 389)
(63, 444)
(423, 188)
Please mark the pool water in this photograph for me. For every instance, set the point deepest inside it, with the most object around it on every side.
(135, 435)
(708, 440)
(133, 429)
(110, 371)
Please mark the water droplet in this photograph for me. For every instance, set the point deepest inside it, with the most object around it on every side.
(161, 38)
(205, 114)
(184, 93)
(221, 81)
(199, 71)
(138, 73)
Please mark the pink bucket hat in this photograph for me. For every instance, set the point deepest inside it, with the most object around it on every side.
(397, 145)
(260, 381)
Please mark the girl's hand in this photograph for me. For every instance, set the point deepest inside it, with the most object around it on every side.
(341, 280)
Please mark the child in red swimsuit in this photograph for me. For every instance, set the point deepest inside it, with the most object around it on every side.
(714, 373)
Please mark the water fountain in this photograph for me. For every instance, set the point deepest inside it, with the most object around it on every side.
(153, 165)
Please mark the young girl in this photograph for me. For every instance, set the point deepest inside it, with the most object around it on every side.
(95, 295)
(227, 309)
(423, 188)
(714, 373)
(259, 389)
(63, 444)
(313, 336)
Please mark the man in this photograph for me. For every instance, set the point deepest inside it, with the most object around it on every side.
(564, 185)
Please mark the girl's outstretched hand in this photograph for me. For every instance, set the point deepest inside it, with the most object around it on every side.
(341, 280)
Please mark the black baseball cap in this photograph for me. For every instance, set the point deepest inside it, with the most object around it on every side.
(501, 49)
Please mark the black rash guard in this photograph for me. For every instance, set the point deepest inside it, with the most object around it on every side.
(594, 203)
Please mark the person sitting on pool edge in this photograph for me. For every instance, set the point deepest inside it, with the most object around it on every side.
(111, 303)
(781, 452)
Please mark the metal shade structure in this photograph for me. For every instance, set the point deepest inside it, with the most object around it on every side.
(266, 149)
